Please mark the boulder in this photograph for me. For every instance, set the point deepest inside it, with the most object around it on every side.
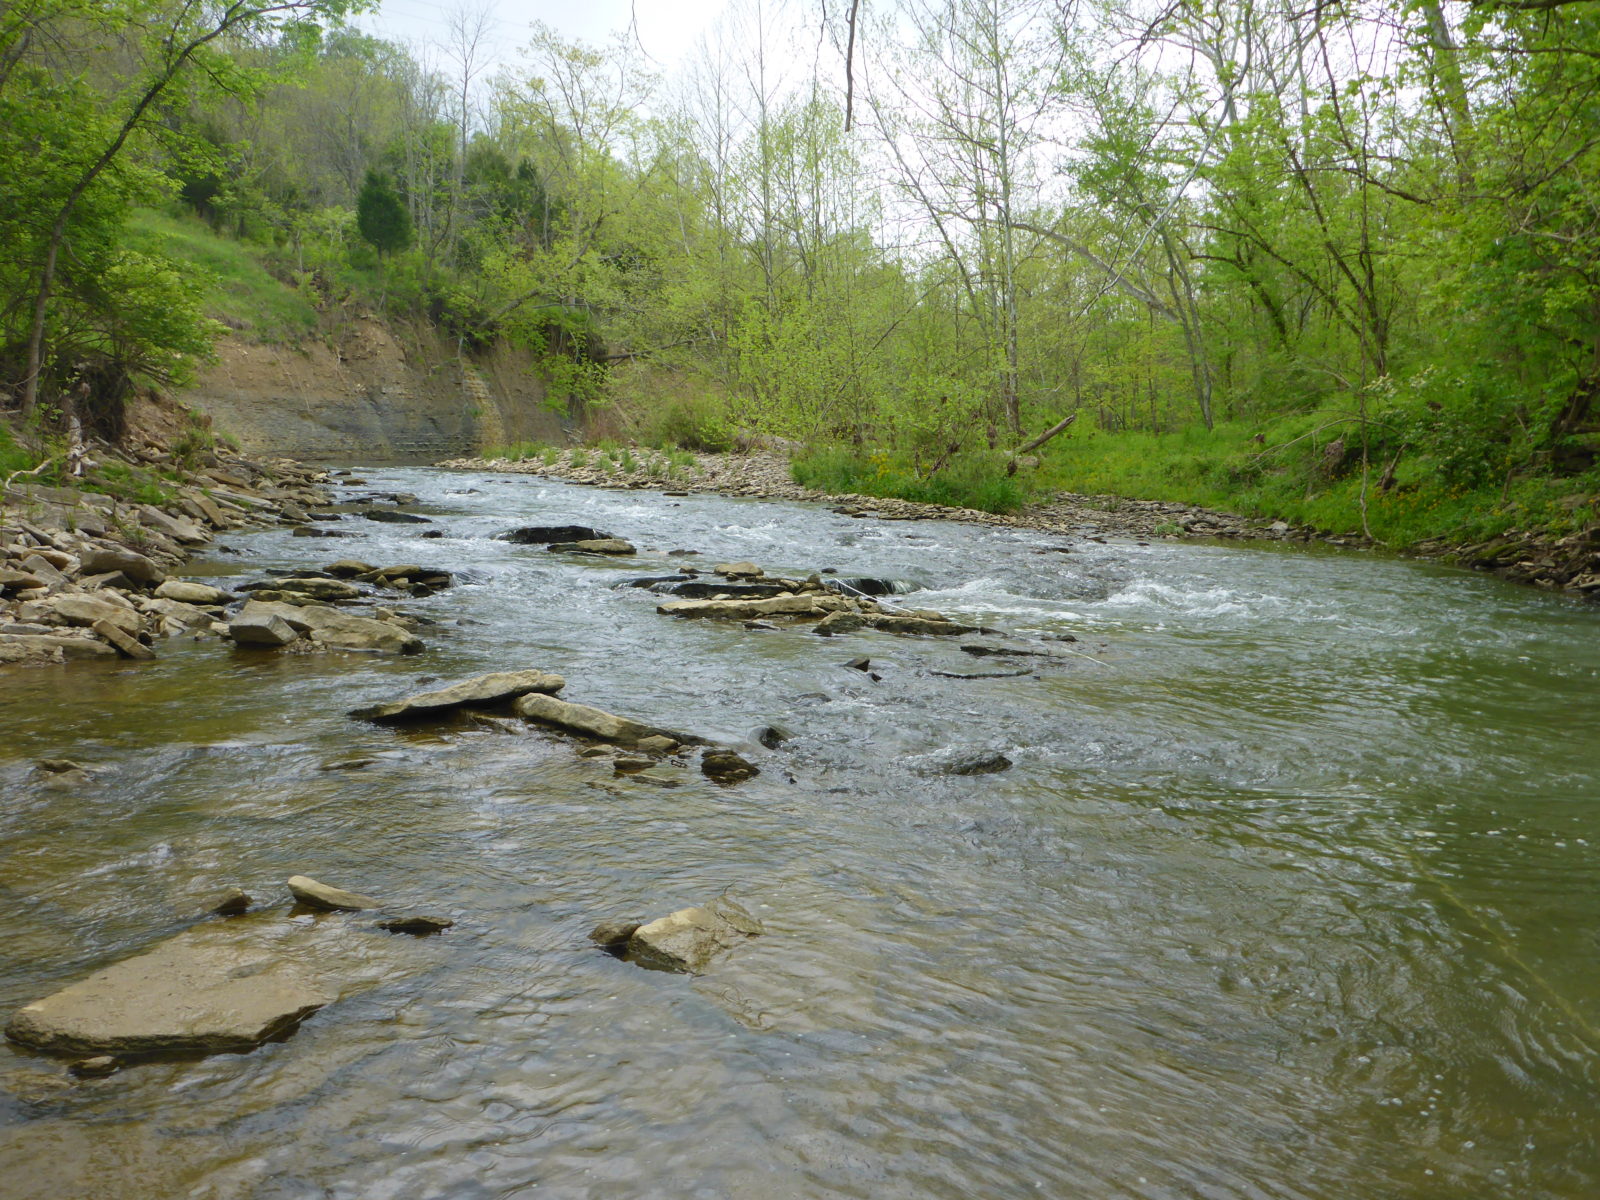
(261, 629)
(87, 611)
(185, 592)
(590, 722)
(594, 546)
(234, 902)
(976, 762)
(179, 529)
(194, 993)
(771, 736)
(50, 647)
(688, 939)
(324, 896)
(134, 565)
(840, 622)
(484, 691)
(18, 581)
(349, 568)
(700, 589)
(739, 570)
(656, 744)
(544, 535)
(337, 629)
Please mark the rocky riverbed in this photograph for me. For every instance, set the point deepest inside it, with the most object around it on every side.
(1571, 562)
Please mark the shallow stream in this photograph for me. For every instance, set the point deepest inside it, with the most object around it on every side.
(1293, 889)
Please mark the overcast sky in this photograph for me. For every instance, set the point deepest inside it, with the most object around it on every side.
(667, 29)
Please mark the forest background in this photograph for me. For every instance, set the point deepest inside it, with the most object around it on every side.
(1336, 263)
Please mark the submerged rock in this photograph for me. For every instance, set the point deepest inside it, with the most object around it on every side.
(231, 903)
(484, 691)
(324, 896)
(725, 767)
(394, 517)
(688, 939)
(194, 993)
(977, 762)
(613, 934)
(417, 926)
(336, 628)
(771, 736)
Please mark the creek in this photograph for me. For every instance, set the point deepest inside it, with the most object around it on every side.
(1292, 889)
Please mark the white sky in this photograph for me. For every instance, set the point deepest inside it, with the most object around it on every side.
(667, 29)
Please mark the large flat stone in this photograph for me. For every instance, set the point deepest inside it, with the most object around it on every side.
(197, 993)
(485, 691)
(338, 628)
(810, 605)
(591, 722)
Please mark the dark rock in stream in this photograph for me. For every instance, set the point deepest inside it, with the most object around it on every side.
(771, 736)
(726, 767)
(613, 934)
(701, 589)
(544, 535)
(977, 762)
(231, 903)
(393, 517)
(417, 926)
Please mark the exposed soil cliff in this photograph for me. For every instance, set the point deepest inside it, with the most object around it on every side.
(365, 391)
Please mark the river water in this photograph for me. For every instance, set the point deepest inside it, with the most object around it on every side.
(1292, 890)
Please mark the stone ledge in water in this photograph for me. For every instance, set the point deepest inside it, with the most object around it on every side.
(592, 722)
(811, 605)
(726, 767)
(484, 691)
(594, 546)
(196, 993)
(335, 628)
(327, 897)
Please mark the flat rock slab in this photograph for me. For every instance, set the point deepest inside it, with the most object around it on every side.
(336, 628)
(325, 896)
(591, 722)
(743, 610)
(196, 993)
(485, 691)
(594, 546)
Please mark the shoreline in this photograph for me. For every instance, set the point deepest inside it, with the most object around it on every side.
(1569, 565)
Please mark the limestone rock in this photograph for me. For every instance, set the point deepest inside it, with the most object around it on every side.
(134, 565)
(349, 568)
(744, 610)
(485, 691)
(128, 647)
(656, 744)
(394, 517)
(590, 722)
(261, 629)
(194, 993)
(97, 1067)
(739, 570)
(595, 546)
(185, 592)
(336, 628)
(317, 589)
(85, 611)
(688, 939)
(321, 895)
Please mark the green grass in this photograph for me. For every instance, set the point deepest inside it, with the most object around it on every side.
(522, 451)
(977, 481)
(1228, 469)
(243, 294)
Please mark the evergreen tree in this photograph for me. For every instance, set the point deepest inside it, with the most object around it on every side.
(381, 216)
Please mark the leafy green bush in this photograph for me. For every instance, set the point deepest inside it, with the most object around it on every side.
(970, 481)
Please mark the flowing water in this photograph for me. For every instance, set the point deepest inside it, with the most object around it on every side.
(1292, 890)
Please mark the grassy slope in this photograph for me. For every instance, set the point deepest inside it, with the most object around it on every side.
(243, 294)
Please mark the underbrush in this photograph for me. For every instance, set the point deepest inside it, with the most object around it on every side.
(971, 481)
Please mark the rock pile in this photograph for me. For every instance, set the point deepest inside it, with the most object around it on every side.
(85, 575)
